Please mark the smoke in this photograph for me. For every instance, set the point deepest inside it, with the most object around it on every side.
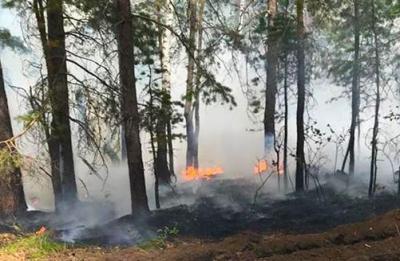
(228, 138)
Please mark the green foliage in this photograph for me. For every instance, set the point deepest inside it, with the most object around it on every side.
(7, 40)
(339, 31)
(160, 242)
(99, 13)
(29, 117)
(253, 46)
(9, 160)
(11, 3)
(395, 10)
(36, 247)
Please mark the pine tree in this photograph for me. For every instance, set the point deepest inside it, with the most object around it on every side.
(300, 158)
(12, 198)
(129, 106)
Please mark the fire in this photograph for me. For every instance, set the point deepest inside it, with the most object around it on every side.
(41, 231)
(261, 167)
(191, 173)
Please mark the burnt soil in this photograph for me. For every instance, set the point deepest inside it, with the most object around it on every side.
(218, 220)
(222, 208)
(376, 239)
(231, 210)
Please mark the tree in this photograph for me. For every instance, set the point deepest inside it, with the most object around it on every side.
(12, 198)
(375, 130)
(129, 106)
(199, 48)
(350, 27)
(300, 158)
(271, 86)
(188, 114)
(288, 41)
(50, 26)
(61, 153)
(382, 31)
(355, 90)
(163, 171)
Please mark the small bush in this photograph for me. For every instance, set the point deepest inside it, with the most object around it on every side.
(160, 242)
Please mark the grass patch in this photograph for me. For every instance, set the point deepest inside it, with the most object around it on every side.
(33, 246)
(160, 242)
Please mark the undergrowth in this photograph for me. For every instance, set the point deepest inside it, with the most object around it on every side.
(160, 242)
(33, 247)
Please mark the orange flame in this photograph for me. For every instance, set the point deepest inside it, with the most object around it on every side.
(41, 231)
(191, 173)
(261, 167)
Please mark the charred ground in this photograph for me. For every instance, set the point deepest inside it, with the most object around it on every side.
(221, 208)
(218, 220)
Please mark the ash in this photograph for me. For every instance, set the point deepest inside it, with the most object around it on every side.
(218, 208)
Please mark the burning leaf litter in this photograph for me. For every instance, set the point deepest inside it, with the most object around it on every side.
(261, 167)
(42, 230)
(192, 173)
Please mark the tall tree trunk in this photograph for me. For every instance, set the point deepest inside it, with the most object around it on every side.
(129, 106)
(198, 82)
(300, 158)
(154, 152)
(286, 120)
(285, 142)
(166, 78)
(355, 92)
(188, 113)
(61, 145)
(161, 162)
(12, 198)
(374, 142)
(39, 11)
(271, 87)
(170, 139)
(123, 144)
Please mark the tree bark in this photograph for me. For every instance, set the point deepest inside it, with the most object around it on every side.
(154, 152)
(129, 107)
(41, 24)
(161, 162)
(63, 172)
(123, 144)
(167, 84)
(271, 87)
(170, 139)
(12, 198)
(374, 142)
(300, 158)
(188, 113)
(355, 92)
(198, 83)
(286, 104)
(166, 79)
(286, 126)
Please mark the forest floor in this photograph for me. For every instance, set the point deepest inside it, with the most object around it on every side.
(332, 226)
(376, 239)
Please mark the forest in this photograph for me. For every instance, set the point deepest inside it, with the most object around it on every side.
(199, 129)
